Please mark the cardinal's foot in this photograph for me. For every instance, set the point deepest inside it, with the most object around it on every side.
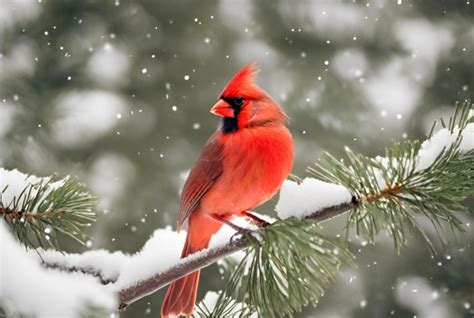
(260, 222)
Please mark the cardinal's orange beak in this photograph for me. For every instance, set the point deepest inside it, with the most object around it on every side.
(223, 109)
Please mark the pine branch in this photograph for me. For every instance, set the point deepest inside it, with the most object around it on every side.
(388, 194)
(200, 260)
(10, 214)
(286, 270)
(37, 209)
(407, 183)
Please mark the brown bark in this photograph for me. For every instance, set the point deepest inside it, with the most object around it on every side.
(13, 214)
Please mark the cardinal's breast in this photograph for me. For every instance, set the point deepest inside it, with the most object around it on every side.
(256, 162)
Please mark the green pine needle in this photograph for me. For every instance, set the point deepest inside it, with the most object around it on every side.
(283, 271)
(393, 194)
(48, 207)
(289, 266)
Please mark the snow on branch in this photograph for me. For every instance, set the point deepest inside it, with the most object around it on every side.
(302, 200)
(36, 208)
(383, 193)
(29, 289)
(157, 265)
(430, 180)
(366, 187)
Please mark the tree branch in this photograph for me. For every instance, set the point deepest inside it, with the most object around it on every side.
(74, 269)
(14, 214)
(193, 262)
(146, 287)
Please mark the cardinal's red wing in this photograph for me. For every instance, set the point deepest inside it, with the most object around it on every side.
(207, 170)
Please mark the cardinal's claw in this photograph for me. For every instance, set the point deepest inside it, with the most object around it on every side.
(261, 223)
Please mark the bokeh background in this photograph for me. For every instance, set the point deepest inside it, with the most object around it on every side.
(118, 93)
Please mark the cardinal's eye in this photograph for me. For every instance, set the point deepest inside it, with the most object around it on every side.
(239, 100)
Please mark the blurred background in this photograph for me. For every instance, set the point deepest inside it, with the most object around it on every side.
(118, 93)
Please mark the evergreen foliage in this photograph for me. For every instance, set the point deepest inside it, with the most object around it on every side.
(290, 263)
(286, 268)
(48, 207)
(394, 193)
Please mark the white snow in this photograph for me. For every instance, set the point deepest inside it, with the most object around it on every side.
(27, 288)
(210, 302)
(45, 288)
(300, 200)
(311, 195)
(18, 181)
(107, 264)
(160, 252)
(443, 139)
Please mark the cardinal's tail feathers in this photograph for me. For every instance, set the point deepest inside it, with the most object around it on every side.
(180, 297)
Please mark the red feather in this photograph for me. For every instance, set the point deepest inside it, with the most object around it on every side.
(242, 84)
(238, 170)
(201, 178)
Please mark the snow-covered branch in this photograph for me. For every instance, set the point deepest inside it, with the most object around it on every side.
(36, 209)
(157, 265)
(207, 257)
(310, 199)
(29, 289)
(409, 175)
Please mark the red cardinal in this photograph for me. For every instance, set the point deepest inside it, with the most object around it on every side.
(241, 166)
